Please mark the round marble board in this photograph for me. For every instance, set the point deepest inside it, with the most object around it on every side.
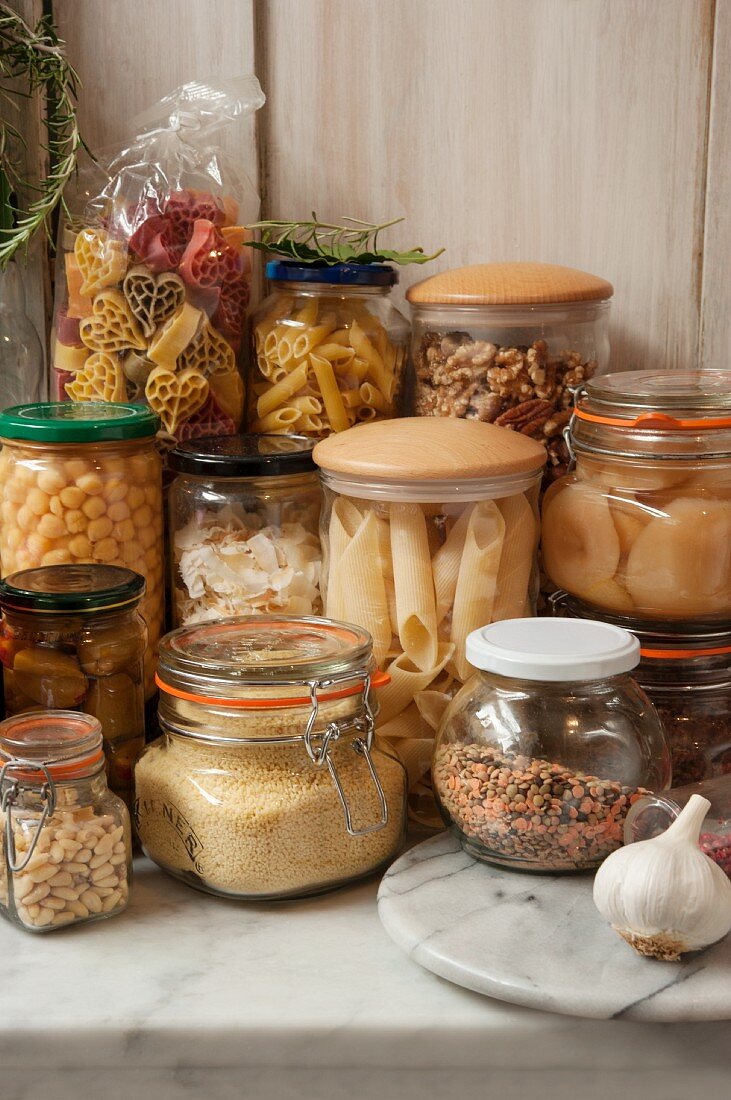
(538, 940)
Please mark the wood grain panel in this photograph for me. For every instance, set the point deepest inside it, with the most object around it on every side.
(548, 130)
(715, 342)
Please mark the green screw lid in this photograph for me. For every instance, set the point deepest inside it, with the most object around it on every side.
(83, 422)
(72, 589)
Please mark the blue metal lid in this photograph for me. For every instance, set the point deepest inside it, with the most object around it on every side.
(334, 274)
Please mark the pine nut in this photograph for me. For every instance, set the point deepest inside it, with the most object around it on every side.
(111, 902)
(92, 901)
(41, 891)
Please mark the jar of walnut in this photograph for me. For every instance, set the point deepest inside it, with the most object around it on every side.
(83, 483)
(507, 344)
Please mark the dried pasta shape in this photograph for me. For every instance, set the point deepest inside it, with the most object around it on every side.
(112, 326)
(579, 539)
(100, 259)
(680, 563)
(416, 613)
(359, 589)
(407, 681)
(100, 379)
(175, 397)
(516, 559)
(228, 389)
(152, 298)
(208, 352)
(445, 564)
(474, 598)
(344, 522)
(174, 336)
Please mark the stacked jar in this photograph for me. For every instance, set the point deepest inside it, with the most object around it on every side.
(329, 349)
(640, 531)
(83, 484)
(429, 530)
(244, 514)
(506, 343)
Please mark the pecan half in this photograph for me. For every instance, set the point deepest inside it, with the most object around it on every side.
(527, 417)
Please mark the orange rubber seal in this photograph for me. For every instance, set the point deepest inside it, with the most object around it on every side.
(77, 770)
(378, 680)
(653, 420)
(677, 654)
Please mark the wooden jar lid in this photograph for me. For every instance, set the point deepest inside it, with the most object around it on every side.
(419, 448)
(509, 284)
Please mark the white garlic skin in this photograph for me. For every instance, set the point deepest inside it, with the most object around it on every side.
(664, 896)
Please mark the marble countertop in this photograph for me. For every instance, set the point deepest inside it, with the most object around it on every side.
(193, 996)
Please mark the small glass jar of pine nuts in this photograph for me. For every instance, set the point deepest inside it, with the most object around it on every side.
(66, 841)
(83, 483)
(330, 349)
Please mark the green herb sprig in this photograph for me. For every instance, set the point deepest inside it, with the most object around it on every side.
(35, 56)
(321, 242)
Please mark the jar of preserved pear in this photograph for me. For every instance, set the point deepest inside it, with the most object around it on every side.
(73, 638)
(66, 842)
(82, 484)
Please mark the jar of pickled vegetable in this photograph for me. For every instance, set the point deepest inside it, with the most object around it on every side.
(244, 514)
(267, 781)
(73, 637)
(82, 483)
(329, 349)
(66, 842)
(642, 525)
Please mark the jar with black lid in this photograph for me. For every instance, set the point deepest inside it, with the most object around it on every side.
(244, 515)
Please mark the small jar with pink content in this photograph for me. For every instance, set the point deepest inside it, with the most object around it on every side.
(541, 754)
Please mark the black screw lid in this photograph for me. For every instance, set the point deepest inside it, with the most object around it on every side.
(244, 456)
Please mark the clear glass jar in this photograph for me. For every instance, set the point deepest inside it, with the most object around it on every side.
(544, 750)
(685, 670)
(506, 344)
(83, 484)
(22, 372)
(73, 637)
(244, 514)
(66, 843)
(429, 530)
(642, 525)
(329, 349)
(654, 813)
(266, 783)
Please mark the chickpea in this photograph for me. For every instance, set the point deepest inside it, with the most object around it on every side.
(26, 520)
(152, 494)
(99, 529)
(25, 475)
(94, 507)
(13, 538)
(115, 490)
(132, 553)
(147, 538)
(15, 491)
(105, 550)
(56, 506)
(72, 496)
(139, 467)
(143, 517)
(76, 467)
(38, 502)
(135, 496)
(56, 557)
(124, 531)
(80, 547)
(37, 545)
(51, 527)
(76, 521)
(118, 510)
(91, 484)
(151, 558)
(51, 481)
(9, 512)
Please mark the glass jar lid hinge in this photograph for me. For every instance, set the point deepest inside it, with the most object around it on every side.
(10, 788)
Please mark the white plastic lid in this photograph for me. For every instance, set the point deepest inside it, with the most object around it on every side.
(553, 649)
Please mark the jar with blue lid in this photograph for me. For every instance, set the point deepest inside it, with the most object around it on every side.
(329, 349)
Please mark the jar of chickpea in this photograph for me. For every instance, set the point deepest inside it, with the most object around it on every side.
(83, 483)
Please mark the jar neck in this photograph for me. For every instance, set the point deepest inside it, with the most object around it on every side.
(556, 688)
(112, 448)
(70, 793)
(65, 622)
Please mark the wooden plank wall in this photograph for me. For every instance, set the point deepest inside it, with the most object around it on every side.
(594, 133)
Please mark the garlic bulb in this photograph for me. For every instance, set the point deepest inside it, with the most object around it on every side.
(664, 896)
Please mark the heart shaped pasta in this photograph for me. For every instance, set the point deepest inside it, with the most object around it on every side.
(175, 397)
(113, 327)
(231, 313)
(152, 298)
(208, 259)
(208, 352)
(101, 260)
(100, 379)
(211, 419)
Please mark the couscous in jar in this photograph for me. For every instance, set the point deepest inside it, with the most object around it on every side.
(266, 783)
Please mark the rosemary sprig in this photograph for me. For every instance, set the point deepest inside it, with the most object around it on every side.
(36, 56)
(322, 242)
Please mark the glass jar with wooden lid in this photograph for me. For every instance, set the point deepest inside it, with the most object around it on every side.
(506, 343)
(429, 529)
(642, 525)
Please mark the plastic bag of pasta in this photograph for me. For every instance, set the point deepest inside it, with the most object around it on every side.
(153, 277)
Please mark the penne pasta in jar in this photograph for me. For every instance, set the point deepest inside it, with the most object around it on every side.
(429, 531)
(331, 334)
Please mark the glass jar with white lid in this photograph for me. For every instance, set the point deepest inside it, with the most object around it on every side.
(266, 782)
(642, 525)
(543, 751)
